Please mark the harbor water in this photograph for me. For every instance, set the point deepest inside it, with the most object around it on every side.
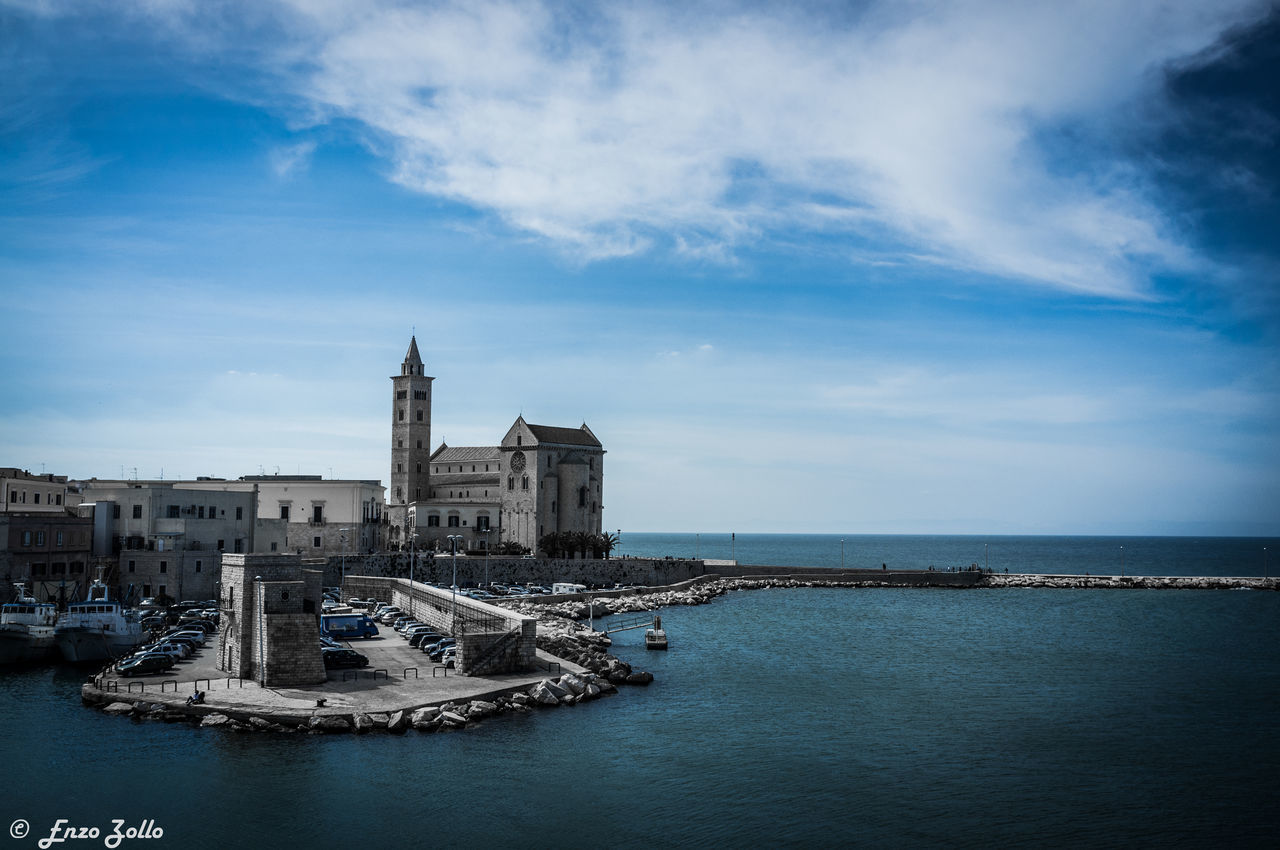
(786, 717)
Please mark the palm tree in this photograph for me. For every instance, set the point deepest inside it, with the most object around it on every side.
(608, 542)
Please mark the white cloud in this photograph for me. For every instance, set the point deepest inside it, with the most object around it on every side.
(286, 160)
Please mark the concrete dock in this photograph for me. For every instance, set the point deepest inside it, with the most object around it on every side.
(398, 678)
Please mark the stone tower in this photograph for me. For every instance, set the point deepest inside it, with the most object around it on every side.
(410, 440)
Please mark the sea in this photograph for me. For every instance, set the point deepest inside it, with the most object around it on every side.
(804, 717)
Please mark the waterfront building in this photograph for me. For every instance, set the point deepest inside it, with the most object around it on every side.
(537, 480)
(24, 492)
(166, 538)
(46, 550)
(271, 609)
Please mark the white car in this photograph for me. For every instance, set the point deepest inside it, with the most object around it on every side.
(177, 650)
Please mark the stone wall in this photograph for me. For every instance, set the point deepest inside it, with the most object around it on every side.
(545, 571)
(477, 625)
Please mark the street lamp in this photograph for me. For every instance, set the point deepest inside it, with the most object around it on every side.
(344, 555)
(453, 541)
(1264, 562)
(842, 553)
(986, 556)
(1122, 561)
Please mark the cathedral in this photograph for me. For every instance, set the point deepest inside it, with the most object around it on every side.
(540, 479)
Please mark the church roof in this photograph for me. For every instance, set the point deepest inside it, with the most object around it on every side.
(413, 356)
(462, 454)
(568, 436)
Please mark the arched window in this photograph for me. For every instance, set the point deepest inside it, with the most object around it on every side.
(582, 497)
(511, 482)
(524, 483)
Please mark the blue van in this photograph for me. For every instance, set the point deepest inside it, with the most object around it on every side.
(347, 626)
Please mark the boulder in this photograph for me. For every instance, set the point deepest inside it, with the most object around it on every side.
(119, 708)
(215, 720)
(555, 688)
(641, 678)
(398, 722)
(362, 723)
(330, 723)
(543, 696)
(572, 684)
(521, 698)
(452, 719)
(480, 708)
(424, 715)
(380, 721)
(259, 723)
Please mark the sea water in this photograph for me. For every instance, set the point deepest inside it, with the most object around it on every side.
(786, 717)
(1161, 556)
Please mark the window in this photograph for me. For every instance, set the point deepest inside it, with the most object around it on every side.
(524, 483)
(273, 546)
(582, 497)
(58, 539)
(162, 593)
(455, 521)
(417, 494)
(77, 567)
(174, 512)
(419, 467)
(511, 482)
(164, 566)
(317, 513)
(420, 395)
(198, 566)
(37, 569)
(433, 521)
(315, 542)
(519, 440)
(591, 463)
(213, 512)
(402, 395)
(200, 512)
(473, 467)
(399, 444)
(59, 569)
(221, 545)
(239, 513)
(26, 538)
(482, 523)
(284, 512)
(399, 467)
(400, 414)
(553, 506)
(137, 511)
(419, 414)
(132, 566)
(39, 538)
(58, 497)
(115, 512)
(420, 446)
(36, 497)
(239, 544)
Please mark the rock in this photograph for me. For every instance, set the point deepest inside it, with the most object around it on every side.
(605, 686)
(572, 684)
(554, 688)
(259, 723)
(119, 708)
(363, 723)
(568, 699)
(593, 691)
(452, 719)
(330, 723)
(424, 715)
(215, 720)
(380, 721)
(480, 708)
(520, 698)
(521, 708)
(398, 722)
(641, 678)
(543, 695)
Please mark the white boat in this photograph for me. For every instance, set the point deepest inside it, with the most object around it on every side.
(99, 628)
(26, 628)
(656, 637)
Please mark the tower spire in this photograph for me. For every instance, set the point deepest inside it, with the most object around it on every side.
(412, 360)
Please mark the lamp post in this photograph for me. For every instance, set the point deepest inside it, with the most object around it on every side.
(1264, 562)
(986, 556)
(344, 555)
(697, 546)
(487, 529)
(842, 553)
(453, 618)
(413, 562)
(1121, 561)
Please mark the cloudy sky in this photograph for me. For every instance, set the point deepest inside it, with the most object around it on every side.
(978, 267)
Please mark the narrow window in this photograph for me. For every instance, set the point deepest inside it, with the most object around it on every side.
(137, 511)
(164, 566)
(511, 482)
(36, 497)
(198, 566)
(200, 512)
(524, 483)
(239, 513)
(39, 538)
(173, 512)
(132, 566)
(58, 539)
(115, 512)
(400, 413)
(419, 414)
(315, 542)
(284, 512)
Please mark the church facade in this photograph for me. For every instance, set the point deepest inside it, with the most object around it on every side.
(537, 480)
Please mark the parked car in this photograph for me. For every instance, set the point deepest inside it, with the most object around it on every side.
(170, 649)
(144, 665)
(421, 639)
(343, 658)
(325, 640)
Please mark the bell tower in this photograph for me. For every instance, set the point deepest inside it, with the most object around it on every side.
(410, 438)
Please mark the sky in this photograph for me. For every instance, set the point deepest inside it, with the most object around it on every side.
(867, 267)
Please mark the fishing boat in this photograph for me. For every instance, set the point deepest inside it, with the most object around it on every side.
(26, 628)
(99, 628)
(656, 637)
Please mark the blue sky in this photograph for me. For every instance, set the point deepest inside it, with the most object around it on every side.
(870, 267)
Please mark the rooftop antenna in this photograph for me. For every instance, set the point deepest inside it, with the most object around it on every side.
(277, 470)
(260, 470)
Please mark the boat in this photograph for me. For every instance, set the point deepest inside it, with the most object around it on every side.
(26, 628)
(655, 638)
(99, 628)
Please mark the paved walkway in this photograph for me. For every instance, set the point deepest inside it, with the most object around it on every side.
(410, 681)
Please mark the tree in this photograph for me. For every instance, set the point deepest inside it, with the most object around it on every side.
(606, 542)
